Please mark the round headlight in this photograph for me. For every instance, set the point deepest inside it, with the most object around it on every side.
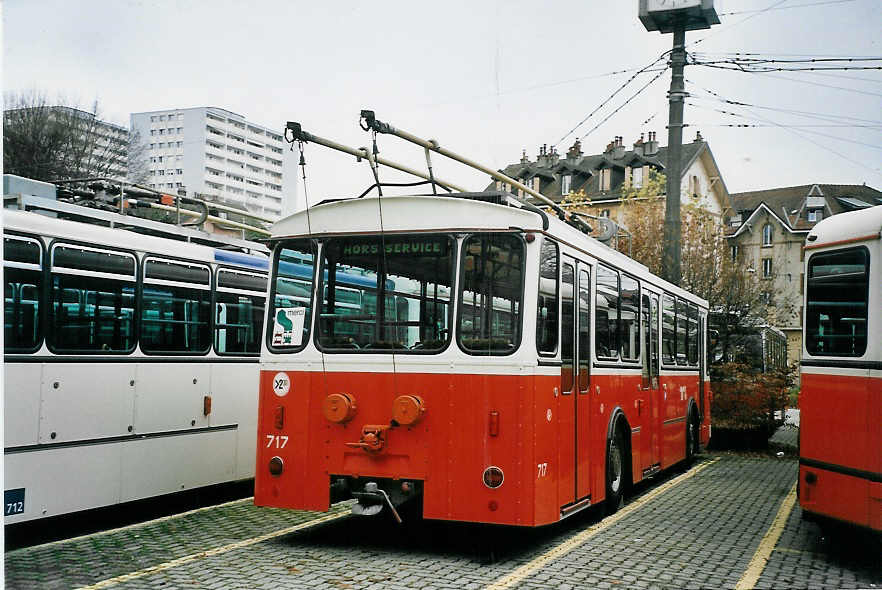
(493, 477)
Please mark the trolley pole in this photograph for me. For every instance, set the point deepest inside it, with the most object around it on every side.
(676, 97)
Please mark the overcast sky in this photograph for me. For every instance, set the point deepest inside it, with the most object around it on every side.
(487, 79)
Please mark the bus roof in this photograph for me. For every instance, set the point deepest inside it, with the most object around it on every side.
(853, 226)
(457, 214)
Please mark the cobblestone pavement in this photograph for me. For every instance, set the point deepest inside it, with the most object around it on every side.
(685, 531)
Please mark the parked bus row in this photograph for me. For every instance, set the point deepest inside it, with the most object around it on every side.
(129, 359)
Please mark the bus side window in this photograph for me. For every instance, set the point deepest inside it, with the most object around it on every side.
(546, 308)
(22, 258)
(693, 335)
(568, 318)
(606, 320)
(682, 328)
(176, 307)
(239, 306)
(668, 339)
(630, 319)
(92, 300)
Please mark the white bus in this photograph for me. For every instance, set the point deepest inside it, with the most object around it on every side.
(130, 360)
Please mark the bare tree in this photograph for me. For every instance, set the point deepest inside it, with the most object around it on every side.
(52, 141)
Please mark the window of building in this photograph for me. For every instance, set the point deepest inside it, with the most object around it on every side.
(767, 234)
(160, 145)
(637, 177)
(735, 252)
(767, 268)
(604, 179)
(536, 183)
(546, 314)
(153, 119)
(153, 132)
(180, 170)
(565, 184)
(604, 213)
(162, 117)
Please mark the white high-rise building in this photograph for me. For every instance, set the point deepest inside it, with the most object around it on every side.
(216, 154)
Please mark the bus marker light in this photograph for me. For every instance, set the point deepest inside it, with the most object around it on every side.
(276, 466)
(206, 405)
(493, 477)
(408, 409)
(493, 426)
(530, 238)
(279, 417)
(339, 408)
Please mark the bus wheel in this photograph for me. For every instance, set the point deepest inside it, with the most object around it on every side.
(691, 436)
(615, 472)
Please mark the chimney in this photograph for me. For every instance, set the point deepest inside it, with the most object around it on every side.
(609, 148)
(651, 147)
(542, 158)
(524, 158)
(618, 148)
(638, 146)
(698, 137)
(575, 152)
(553, 157)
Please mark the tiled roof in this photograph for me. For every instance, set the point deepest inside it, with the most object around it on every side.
(588, 165)
(788, 202)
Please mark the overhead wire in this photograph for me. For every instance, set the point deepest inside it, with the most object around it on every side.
(733, 25)
(614, 94)
(632, 97)
(786, 7)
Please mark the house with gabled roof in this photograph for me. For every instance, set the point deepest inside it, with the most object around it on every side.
(602, 177)
(767, 231)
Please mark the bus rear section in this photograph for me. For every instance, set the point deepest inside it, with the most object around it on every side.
(840, 475)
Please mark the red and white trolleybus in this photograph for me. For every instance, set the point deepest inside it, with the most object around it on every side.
(472, 351)
(840, 458)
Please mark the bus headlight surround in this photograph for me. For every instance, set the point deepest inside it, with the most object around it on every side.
(493, 477)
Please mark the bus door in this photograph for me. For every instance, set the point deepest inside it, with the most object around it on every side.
(583, 382)
(566, 410)
(650, 403)
(702, 368)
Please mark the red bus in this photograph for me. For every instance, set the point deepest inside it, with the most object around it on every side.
(473, 353)
(840, 402)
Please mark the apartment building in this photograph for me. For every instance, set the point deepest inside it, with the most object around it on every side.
(218, 155)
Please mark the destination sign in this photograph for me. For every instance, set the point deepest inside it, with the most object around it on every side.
(398, 247)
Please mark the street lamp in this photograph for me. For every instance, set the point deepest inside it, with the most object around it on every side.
(677, 17)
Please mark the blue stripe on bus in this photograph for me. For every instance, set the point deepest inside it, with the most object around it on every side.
(240, 259)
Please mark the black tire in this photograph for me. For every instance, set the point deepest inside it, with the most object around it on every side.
(616, 475)
(692, 436)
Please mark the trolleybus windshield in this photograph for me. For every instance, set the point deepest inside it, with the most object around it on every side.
(836, 303)
(386, 293)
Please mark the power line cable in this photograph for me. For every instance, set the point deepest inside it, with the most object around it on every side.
(730, 27)
(632, 97)
(838, 119)
(786, 7)
(802, 135)
(614, 94)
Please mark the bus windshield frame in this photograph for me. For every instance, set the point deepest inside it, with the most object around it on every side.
(413, 274)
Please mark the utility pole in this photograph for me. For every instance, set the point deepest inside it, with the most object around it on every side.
(676, 97)
(677, 17)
